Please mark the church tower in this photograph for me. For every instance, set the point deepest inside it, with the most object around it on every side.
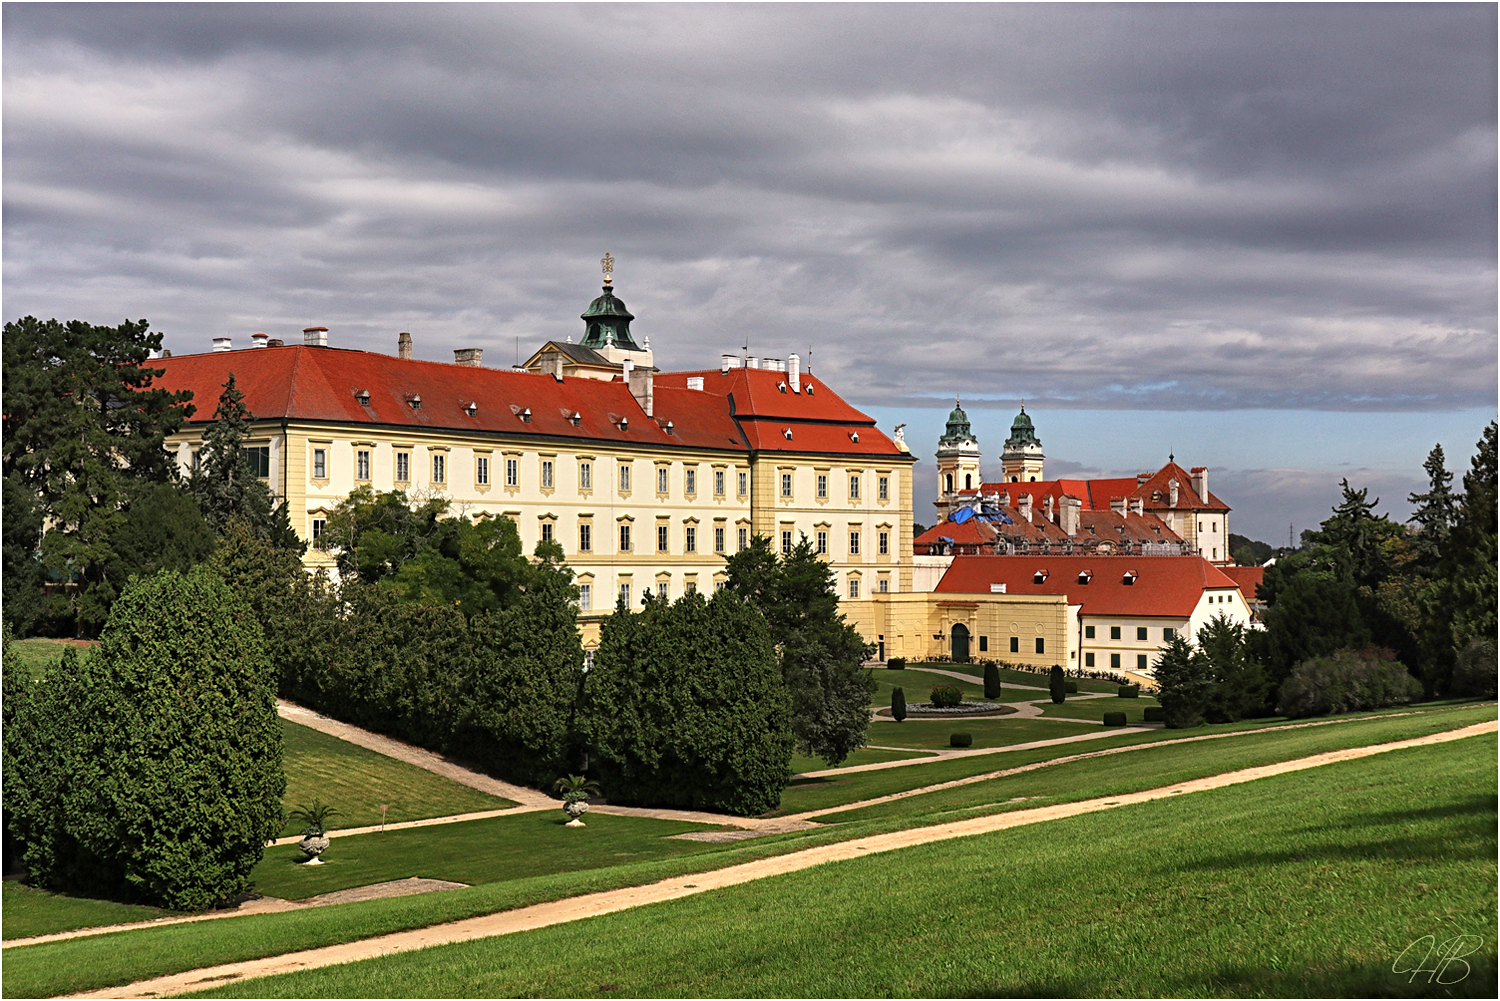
(1021, 462)
(958, 458)
(607, 326)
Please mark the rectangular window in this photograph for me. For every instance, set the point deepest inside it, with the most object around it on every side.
(362, 464)
(197, 460)
(1114, 632)
(1140, 632)
(320, 463)
(690, 539)
(585, 538)
(585, 596)
(1088, 632)
(661, 538)
(718, 540)
(718, 483)
(585, 476)
(853, 543)
(482, 470)
(744, 484)
(720, 585)
(512, 472)
(1168, 633)
(884, 540)
(854, 587)
(661, 480)
(786, 484)
(786, 543)
(259, 457)
(883, 487)
(403, 467)
(744, 540)
(1114, 661)
(625, 479)
(546, 531)
(1041, 645)
(625, 594)
(1088, 660)
(319, 527)
(854, 486)
(439, 468)
(547, 473)
(624, 538)
(661, 589)
(822, 543)
(689, 587)
(690, 481)
(885, 585)
(984, 643)
(1015, 644)
(1140, 662)
(822, 485)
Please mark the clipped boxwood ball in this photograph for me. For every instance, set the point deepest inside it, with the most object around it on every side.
(960, 740)
(1114, 719)
(1155, 714)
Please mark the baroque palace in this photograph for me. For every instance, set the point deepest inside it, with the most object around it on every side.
(649, 480)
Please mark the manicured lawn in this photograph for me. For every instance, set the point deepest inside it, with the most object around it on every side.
(1076, 708)
(1024, 678)
(994, 731)
(31, 912)
(357, 781)
(917, 685)
(863, 756)
(1223, 893)
(474, 851)
(35, 656)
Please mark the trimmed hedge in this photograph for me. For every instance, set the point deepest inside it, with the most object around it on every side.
(1155, 714)
(946, 696)
(960, 740)
(1114, 719)
(898, 704)
(1130, 691)
(896, 663)
(1071, 687)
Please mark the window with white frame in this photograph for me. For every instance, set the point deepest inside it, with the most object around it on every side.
(786, 484)
(625, 593)
(853, 543)
(661, 479)
(512, 472)
(547, 474)
(546, 531)
(744, 484)
(403, 467)
(585, 596)
(585, 476)
(822, 485)
(883, 488)
(625, 478)
(822, 542)
(662, 587)
(585, 538)
(482, 470)
(744, 540)
(854, 587)
(883, 539)
(885, 585)
(319, 530)
(439, 467)
(854, 486)
(718, 539)
(690, 481)
(718, 483)
(661, 538)
(320, 464)
(362, 464)
(690, 539)
(786, 543)
(625, 538)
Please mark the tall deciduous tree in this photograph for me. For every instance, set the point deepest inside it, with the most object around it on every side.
(80, 422)
(820, 652)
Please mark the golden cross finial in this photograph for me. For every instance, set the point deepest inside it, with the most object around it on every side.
(609, 267)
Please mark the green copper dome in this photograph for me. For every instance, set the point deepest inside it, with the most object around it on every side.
(1021, 431)
(607, 323)
(958, 427)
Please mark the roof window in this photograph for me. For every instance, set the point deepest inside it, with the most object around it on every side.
(472, 408)
(854, 437)
(363, 396)
(669, 428)
(786, 433)
(809, 389)
(1084, 576)
(526, 416)
(576, 419)
(1129, 578)
(781, 387)
(1040, 577)
(414, 400)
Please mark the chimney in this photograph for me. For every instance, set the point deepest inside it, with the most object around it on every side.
(1117, 505)
(1141, 478)
(641, 381)
(752, 362)
(1200, 482)
(1025, 508)
(1047, 508)
(1137, 505)
(258, 340)
(166, 353)
(469, 357)
(315, 337)
(552, 364)
(1068, 514)
(794, 373)
(276, 342)
(727, 362)
(222, 344)
(403, 346)
(1172, 492)
(695, 382)
(774, 364)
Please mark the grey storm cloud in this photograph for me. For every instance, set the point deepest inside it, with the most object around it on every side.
(1175, 206)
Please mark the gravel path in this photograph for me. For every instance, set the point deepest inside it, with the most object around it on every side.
(594, 904)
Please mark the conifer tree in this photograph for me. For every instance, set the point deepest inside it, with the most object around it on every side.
(1434, 511)
(991, 681)
(224, 484)
(1182, 683)
(1057, 684)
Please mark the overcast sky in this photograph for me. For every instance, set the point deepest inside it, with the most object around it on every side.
(1235, 222)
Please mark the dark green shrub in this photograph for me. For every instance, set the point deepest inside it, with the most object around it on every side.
(151, 768)
(1071, 687)
(1114, 719)
(685, 707)
(1474, 674)
(1130, 691)
(960, 740)
(898, 704)
(946, 696)
(991, 681)
(896, 663)
(1057, 684)
(1348, 681)
(1155, 714)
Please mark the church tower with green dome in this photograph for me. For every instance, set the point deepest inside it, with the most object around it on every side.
(1021, 462)
(958, 458)
(606, 326)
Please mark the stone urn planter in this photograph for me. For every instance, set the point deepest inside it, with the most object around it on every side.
(575, 811)
(312, 846)
(575, 790)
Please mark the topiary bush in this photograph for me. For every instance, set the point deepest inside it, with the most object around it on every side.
(1130, 691)
(898, 704)
(1114, 719)
(991, 681)
(1071, 687)
(896, 663)
(1155, 714)
(1057, 684)
(150, 769)
(1348, 681)
(946, 696)
(960, 740)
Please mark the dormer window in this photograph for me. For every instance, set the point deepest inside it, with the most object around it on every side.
(1084, 576)
(854, 437)
(472, 408)
(576, 419)
(624, 423)
(414, 401)
(1040, 577)
(525, 416)
(363, 396)
(781, 387)
(670, 428)
(809, 389)
(786, 433)
(1129, 578)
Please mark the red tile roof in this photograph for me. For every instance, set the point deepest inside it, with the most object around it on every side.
(1166, 585)
(1248, 579)
(1096, 495)
(969, 533)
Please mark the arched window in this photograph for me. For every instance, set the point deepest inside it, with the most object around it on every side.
(949, 480)
(1015, 479)
(968, 481)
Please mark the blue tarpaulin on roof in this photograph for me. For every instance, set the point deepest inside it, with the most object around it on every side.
(962, 515)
